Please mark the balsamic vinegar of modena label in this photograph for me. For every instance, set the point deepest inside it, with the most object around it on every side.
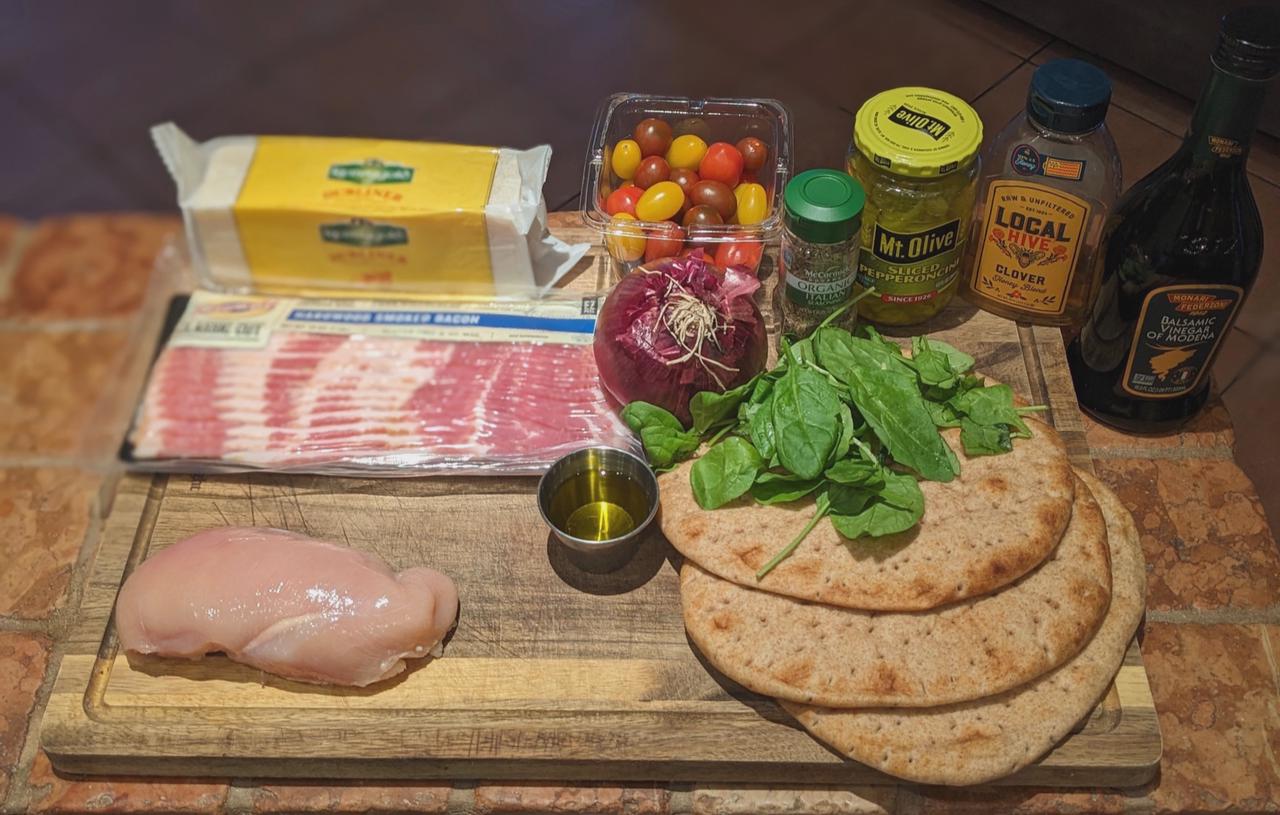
(1177, 332)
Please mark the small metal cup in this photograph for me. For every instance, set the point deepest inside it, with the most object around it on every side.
(605, 555)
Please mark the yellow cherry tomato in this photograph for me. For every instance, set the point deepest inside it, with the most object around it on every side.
(626, 158)
(753, 203)
(686, 152)
(625, 238)
(660, 202)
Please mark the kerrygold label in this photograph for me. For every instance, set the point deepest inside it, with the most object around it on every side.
(1030, 245)
(358, 213)
(1177, 333)
(910, 267)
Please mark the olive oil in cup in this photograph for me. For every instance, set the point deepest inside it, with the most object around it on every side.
(598, 502)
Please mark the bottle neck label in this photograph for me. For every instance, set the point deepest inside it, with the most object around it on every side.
(1176, 337)
(1225, 117)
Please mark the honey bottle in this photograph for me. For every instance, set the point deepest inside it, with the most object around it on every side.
(1052, 175)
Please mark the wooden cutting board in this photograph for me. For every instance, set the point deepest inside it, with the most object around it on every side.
(553, 673)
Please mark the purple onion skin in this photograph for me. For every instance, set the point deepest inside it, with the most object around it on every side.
(631, 344)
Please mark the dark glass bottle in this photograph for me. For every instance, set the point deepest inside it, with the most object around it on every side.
(1181, 250)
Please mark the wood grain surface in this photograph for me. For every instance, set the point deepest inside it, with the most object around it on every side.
(553, 673)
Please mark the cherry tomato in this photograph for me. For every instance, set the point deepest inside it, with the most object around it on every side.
(651, 171)
(716, 195)
(753, 153)
(686, 152)
(701, 251)
(753, 203)
(653, 136)
(660, 202)
(722, 162)
(686, 179)
(625, 238)
(664, 242)
(702, 215)
(746, 253)
(693, 125)
(749, 177)
(626, 158)
(623, 199)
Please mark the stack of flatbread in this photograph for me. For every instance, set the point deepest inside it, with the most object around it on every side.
(955, 653)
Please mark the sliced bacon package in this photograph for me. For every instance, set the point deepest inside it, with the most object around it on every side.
(342, 387)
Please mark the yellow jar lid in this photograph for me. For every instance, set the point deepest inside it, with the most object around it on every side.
(917, 131)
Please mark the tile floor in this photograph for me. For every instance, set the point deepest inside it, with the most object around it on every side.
(81, 82)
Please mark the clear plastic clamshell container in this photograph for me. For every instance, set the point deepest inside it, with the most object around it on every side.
(632, 242)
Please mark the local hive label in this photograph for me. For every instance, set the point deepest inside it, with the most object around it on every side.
(1030, 246)
(910, 267)
(1177, 333)
(355, 212)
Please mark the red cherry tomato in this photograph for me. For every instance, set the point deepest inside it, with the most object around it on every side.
(664, 242)
(623, 199)
(753, 153)
(746, 253)
(651, 171)
(722, 163)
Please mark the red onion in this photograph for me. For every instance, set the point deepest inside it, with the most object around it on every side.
(677, 327)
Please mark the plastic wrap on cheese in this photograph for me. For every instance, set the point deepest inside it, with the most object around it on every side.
(318, 216)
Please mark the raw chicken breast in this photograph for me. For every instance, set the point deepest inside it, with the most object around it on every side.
(288, 604)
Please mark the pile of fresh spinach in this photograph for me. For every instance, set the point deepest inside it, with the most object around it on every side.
(847, 419)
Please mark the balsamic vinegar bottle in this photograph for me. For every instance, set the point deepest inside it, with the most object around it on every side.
(1181, 250)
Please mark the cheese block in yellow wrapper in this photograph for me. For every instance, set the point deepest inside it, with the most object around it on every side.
(305, 215)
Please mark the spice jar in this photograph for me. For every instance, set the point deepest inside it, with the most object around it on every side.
(1052, 175)
(915, 150)
(821, 220)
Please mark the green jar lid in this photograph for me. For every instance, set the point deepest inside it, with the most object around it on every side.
(824, 206)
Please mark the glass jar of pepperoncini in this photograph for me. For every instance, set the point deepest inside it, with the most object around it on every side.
(915, 150)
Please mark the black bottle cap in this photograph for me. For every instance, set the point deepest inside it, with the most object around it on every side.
(1249, 42)
(1068, 96)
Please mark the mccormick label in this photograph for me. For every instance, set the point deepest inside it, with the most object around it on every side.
(1030, 245)
(248, 321)
(1177, 333)
(911, 267)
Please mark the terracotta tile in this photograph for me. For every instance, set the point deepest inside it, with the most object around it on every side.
(518, 799)
(1204, 534)
(1211, 428)
(1018, 801)
(762, 800)
(1257, 315)
(998, 105)
(87, 266)
(1143, 146)
(51, 384)
(357, 797)
(44, 514)
(52, 792)
(9, 228)
(23, 658)
(1252, 403)
(1216, 695)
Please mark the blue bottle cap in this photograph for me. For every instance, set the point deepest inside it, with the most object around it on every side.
(1069, 96)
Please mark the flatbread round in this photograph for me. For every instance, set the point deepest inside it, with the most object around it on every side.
(997, 521)
(986, 739)
(840, 657)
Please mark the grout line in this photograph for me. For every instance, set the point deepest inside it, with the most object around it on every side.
(19, 788)
(44, 326)
(239, 800)
(1214, 452)
(1216, 616)
(1025, 61)
(462, 798)
(1271, 658)
(1244, 370)
(566, 202)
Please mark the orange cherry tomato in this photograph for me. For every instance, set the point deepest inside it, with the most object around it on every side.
(744, 253)
(722, 163)
(623, 199)
(625, 238)
(664, 242)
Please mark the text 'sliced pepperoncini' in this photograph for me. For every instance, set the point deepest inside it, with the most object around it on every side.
(915, 150)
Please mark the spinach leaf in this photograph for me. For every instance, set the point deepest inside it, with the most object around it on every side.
(890, 401)
(846, 499)
(779, 488)
(857, 472)
(762, 388)
(821, 507)
(845, 439)
(709, 408)
(760, 428)
(943, 414)
(960, 361)
(642, 414)
(933, 367)
(725, 472)
(991, 406)
(896, 507)
(984, 440)
(805, 420)
(801, 350)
